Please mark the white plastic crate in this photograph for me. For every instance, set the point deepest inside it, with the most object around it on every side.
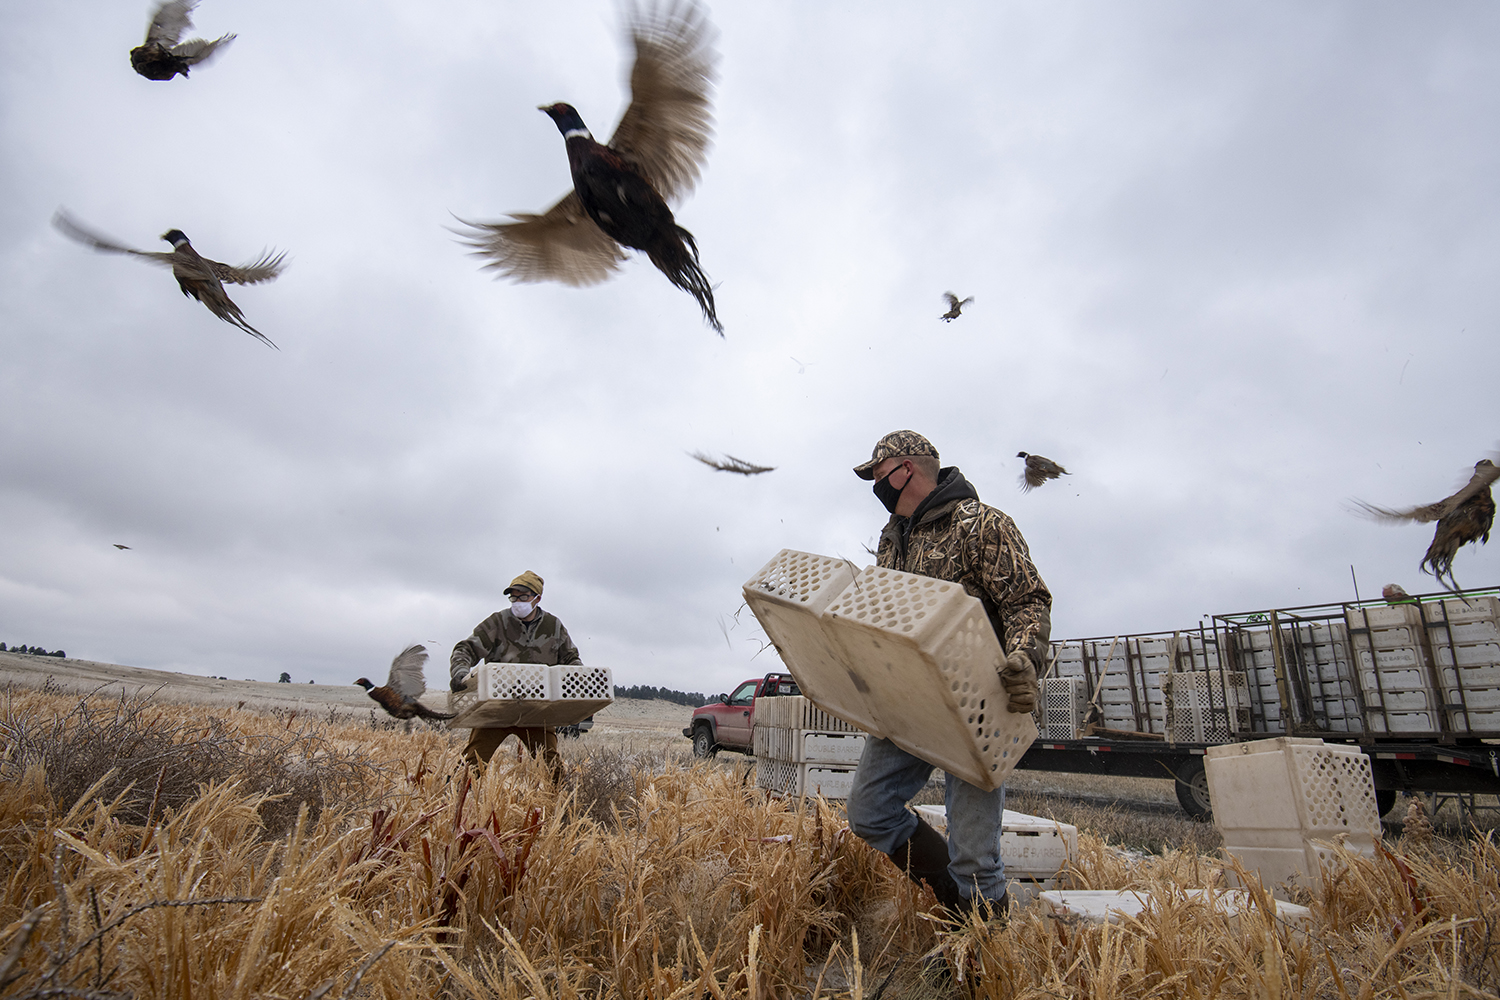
(930, 663)
(1098, 906)
(907, 657)
(1032, 847)
(787, 596)
(1274, 793)
(580, 683)
(1400, 722)
(798, 712)
(801, 745)
(1205, 705)
(529, 694)
(1063, 706)
(787, 778)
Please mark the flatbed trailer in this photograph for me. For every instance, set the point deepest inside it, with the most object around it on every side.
(1414, 684)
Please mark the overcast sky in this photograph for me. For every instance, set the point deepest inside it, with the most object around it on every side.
(1233, 265)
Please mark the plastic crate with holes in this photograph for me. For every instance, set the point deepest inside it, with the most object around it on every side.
(1063, 706)
(1032, 847)
(1280, 792)
(1207, 705)
(529, 694)
(803, 745)
(784, 777)
(907, 657)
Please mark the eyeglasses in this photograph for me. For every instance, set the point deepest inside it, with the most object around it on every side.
(521, 595)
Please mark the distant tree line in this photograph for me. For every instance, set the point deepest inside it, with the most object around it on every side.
(33, 650)
(646, 692)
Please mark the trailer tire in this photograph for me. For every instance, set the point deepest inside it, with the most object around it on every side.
(1385, 800)
(1192, 789)
(703, 743)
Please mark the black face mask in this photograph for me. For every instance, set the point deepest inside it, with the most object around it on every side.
(888, 494)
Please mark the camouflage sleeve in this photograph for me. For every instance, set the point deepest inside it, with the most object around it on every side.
(1003, 565)
(567, 653)
(476, 647)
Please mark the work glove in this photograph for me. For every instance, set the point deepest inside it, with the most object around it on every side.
(1018, 674)
(457, 683)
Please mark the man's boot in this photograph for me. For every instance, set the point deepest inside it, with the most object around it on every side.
(924, 858)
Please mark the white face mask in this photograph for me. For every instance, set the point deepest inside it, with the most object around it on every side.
(522, 609)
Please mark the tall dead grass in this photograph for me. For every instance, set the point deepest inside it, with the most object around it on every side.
(655, 880)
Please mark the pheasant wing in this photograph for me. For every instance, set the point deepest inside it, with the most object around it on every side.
(406, 672)
(1485, 474)
(665, 131)
(1422, 514)
(197, 50)
(264, 268)
(953, 302)
(171, 19)
(71, 228)
(562, 245)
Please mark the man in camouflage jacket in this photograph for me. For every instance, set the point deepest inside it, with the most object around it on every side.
(939, 528)
(521, 633)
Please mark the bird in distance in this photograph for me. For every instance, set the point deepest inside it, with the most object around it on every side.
(119, 546)
(1462, 519)
(955, 307)
(399, 694)
(620, 190)
(731, 464)
(197, 276)
(161, 56)
(1038, 471)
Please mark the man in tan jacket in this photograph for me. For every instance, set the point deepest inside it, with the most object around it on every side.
(939, 528)
(521, 633)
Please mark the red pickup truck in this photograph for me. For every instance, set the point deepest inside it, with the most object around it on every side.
(726, 724)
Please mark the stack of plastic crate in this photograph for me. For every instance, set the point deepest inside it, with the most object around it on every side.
(1323, 649)
(1280, 803)
(530, 694)
(1467, 652)
(1392, 668)
(1207, 705)
(906, 657)
(802, 750)
(1035, 849)
(1062, 708)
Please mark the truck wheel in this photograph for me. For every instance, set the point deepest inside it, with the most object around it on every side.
(1192, 789)
(1385, 800)
(703, 743)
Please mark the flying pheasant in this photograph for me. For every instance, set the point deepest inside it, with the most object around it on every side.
(1038, 471)
(399, 694)
(1462, 519)
(620, 190)
(197, 276)
(731, 464)
(161, 56)
(955, 307)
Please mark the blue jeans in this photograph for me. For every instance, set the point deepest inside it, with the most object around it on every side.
(886, 780)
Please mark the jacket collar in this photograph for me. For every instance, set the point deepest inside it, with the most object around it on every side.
(951, 488)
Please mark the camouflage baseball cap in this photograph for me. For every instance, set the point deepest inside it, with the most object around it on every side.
(529, 580)
(896, 444)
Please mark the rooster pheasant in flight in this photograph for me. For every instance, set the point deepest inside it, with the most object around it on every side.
(620, 190)
(1462, 519)
(399, 694)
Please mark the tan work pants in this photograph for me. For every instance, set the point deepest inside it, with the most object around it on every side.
(484, 742)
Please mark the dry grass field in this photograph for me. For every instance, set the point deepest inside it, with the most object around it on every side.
(181, 849)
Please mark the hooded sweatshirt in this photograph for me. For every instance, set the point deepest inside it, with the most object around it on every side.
(952, 536)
